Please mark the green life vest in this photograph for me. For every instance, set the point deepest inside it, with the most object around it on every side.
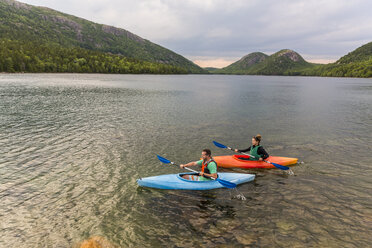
(254, 153)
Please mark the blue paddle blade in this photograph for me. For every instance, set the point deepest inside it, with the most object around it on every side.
(163, 160)
(282, 167)
(219, 144)
(226, 184)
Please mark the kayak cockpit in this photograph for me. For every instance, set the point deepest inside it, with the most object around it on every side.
(242, 158)
(179, 176)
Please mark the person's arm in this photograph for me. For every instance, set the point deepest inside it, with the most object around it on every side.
(245, 150)
(261, 151)
(189, 164)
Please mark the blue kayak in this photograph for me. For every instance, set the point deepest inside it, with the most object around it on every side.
(175, 181)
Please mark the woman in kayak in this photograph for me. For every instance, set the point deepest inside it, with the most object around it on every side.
(256, 151)
(209, 167)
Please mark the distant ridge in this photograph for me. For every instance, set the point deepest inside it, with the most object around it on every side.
(283, 62)
(357, 63)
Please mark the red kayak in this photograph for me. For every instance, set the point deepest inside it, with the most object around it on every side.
(242, 161)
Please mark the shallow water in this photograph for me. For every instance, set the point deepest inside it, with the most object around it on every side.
(72, 147)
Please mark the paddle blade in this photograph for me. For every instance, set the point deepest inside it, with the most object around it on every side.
(219, 144)
(226, 184)
(163, 160)
(282, 167)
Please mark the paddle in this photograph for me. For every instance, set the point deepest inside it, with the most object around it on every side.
(282, 167)
(224, 183)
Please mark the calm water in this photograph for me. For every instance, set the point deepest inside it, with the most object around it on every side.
(72, 147)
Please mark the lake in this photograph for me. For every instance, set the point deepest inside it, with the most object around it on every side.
(73, 145)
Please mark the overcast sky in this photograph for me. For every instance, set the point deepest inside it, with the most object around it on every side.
(219, 32)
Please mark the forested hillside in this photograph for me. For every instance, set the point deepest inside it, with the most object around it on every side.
(357, 63)
(43, 28)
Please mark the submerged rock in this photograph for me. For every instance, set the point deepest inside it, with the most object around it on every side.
(95, 242)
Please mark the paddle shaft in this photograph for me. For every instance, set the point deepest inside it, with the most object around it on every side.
(279, 166)
(241, 152)
(195, 171)
(248, 155)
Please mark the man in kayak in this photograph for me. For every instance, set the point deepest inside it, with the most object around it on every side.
(257, 151)
(209, 167)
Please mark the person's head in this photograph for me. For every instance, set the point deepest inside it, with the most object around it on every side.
(206, 154)
(256, 140)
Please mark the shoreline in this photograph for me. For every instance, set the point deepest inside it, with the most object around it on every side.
(146, 74)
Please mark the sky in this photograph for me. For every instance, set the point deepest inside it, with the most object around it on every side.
(216, 33)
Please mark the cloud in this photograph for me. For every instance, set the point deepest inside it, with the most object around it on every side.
(225, 29)
(218, 33)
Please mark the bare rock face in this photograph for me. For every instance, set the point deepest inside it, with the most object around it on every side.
(253, 58)
(120, 32)
(292, 55)
(18, 5)
(66, 22)
(63, 20)
(113, 30)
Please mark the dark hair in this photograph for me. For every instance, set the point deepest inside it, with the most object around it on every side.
(257, 138)
(207, 152)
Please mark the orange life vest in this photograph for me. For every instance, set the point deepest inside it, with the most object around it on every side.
(204, 168)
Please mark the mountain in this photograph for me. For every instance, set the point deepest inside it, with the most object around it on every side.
(245, 64)
(284, 62)
(357, 63)
(26, 24)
